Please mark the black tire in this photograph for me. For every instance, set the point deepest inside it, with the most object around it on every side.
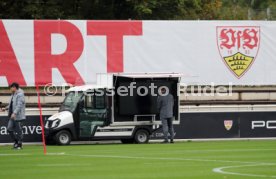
(141, 136)
(63, 137)
(127, 141)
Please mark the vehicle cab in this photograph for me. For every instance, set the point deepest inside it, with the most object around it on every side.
(83, 110)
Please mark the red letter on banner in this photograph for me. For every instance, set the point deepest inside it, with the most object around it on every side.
(9, 66)
(45, 60)
(114, 32)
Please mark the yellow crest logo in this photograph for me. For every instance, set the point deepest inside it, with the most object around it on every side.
(238, 63)
(238, 47)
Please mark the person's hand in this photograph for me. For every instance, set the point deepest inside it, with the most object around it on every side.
(2, 109)
(13, 116)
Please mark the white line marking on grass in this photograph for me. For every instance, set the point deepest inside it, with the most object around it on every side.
(61, 153)
(174, 159)
(216, 170)
(61, 165)
(221, 171)
(206, 151)
(13, 154)
(228, 150)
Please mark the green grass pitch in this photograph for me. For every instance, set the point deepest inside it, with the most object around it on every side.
(204, 160)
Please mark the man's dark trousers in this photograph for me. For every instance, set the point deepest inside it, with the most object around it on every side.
(167, 125)
(15, 130)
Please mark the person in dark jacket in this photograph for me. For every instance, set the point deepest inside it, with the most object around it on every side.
(165, 103)
(16, 114)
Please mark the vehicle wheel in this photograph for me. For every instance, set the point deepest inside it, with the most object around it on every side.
(127, 141)
(141, 136)
(63, 137)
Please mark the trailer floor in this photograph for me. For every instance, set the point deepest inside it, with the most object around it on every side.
(206, 160)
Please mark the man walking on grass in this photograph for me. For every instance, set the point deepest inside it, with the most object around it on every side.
(16, 114)
(165, 104)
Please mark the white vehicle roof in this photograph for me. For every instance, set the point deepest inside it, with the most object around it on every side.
(127, 75)
(149, 75)
(85, 88)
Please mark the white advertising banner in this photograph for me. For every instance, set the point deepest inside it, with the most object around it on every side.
(39, 52)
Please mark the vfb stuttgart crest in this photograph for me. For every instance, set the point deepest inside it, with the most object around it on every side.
(238, 47)
(228, 124)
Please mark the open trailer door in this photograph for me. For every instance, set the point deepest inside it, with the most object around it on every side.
(139, 105)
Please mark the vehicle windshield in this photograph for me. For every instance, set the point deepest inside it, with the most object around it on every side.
(71, 101)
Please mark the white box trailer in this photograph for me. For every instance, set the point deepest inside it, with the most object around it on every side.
(126, 109)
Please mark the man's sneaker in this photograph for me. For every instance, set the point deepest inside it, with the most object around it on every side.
(172, 141)
(15, 145)
(18, 148)
(165, 142)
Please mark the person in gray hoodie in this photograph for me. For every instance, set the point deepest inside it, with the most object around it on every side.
(16, 114)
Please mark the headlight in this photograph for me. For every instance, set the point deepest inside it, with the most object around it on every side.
(55, 123)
